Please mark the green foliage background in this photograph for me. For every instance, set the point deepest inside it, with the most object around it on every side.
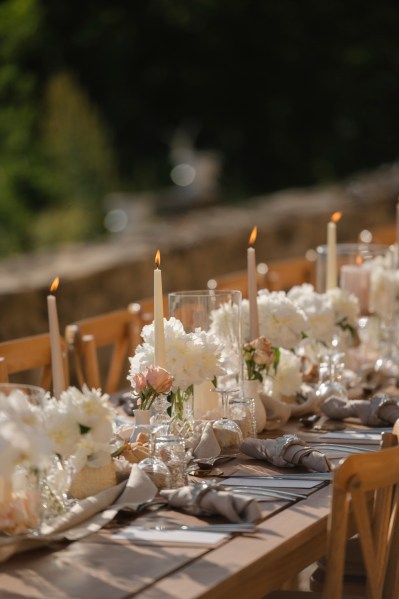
(289, 92)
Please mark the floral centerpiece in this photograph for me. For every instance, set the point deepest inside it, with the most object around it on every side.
(26, 451)
(259, 355)
(79, 425)
(149, 384)
(191, 358)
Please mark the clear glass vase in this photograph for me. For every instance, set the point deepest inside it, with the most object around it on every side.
(160, 409)
(182, 420)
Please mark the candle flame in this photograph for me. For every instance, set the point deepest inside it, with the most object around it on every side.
(359, 260)
(158, 258)
(253, 235)
(336, 217)
(54, 285)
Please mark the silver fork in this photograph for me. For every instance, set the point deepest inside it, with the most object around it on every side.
(253, 490)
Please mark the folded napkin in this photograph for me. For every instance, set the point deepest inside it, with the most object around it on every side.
(88, 515)
(286, 452)
(380, 410)
(208, 499)
(203, 443)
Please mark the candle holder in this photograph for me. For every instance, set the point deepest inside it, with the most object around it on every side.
(356, 255)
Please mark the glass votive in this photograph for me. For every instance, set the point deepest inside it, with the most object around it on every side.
(353, 268)
(242, 412)
(170, 449)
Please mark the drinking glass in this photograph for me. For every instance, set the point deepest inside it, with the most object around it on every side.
(171, 450)
(227, 432)
(34, 394)
(153, 466)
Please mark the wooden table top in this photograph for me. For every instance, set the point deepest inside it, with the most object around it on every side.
(291, 536)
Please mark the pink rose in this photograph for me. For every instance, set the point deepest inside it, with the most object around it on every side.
(159, 379)
(139, 382)
(263, 351)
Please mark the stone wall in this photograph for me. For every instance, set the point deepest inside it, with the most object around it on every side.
(194, 247)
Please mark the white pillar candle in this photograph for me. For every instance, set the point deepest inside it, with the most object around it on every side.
(331, 269)
(252, 288)
(355, 278)
(159, 333)
(205, 400)
(57, 362)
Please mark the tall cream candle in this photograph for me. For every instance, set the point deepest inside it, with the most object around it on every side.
(252, 287)
(57, 362)
(159, 333)
(331, 268)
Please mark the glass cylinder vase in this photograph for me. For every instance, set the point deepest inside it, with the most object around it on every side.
(219, 313)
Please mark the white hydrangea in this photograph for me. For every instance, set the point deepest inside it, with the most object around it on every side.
(280, 320)
(288, 378)
(318, 309)
(346, 307)
(22, 435)
(79, 419)
(384, 290)
(190, 357)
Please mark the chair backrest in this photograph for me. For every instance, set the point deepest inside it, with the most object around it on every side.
(29, 357)
(280, 275)
(117, 333)
(365, 492)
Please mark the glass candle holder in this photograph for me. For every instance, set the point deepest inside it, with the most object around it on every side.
(354, 261)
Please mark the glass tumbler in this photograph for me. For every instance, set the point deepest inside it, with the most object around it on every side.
(170, 449)
(242, 412)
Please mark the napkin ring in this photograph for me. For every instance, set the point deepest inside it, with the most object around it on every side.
(202, 489)
(283, 443)
(379, 401)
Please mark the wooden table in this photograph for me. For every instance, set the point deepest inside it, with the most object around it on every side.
(292, 536)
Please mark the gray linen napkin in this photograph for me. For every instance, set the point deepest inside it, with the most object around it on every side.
(380, 410)
(208, 446)
(207, 499)
(286, 452)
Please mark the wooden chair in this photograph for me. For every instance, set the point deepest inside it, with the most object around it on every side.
(366, 495)
(104, 342)
(280, 275)
(30, 358)
(284, 274)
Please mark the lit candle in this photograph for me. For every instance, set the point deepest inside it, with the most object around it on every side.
(355, 278)
(252, 287)
(331, 270)
(159, 334)
(57, 362)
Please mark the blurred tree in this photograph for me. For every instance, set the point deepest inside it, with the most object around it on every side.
(19, 168)
(80, 164)
(290, 92)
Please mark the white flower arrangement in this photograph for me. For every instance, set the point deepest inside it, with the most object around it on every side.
(318, 309)
(25, 451)
(287, 380)
(346, 309)
(23, 439)
(79, 425)
(280, 321)
(384, 289)
(191, 358)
